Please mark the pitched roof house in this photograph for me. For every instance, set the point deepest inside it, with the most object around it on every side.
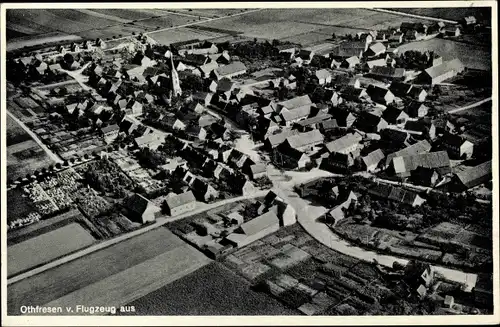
(442, 72)
(394, 115)
(396, 194)
(345, 144)
(414, 149)
(141, 209)
(370, 123)
(416, 109)
(379, 94)
(254, 229)
(403, 165)
(180, 203)
(371, 161)
(473, 176)
(234, 69)
(457, 146)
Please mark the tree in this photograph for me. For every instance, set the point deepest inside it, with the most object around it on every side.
(68, 58)
(334, 36)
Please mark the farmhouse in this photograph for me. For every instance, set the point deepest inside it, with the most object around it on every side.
(254, 229)
(388, 73)
(457, 146)
(350, 49)
(311, 123)
(141, 209)
(323, 76)
(338, 162)
(414, 149)
(398, 194)
(346, 144)
(350, 62)
(180, 203)
(288, 157)
(372, 63)
(421, 128)
(294, 103)
(440, 73)
(370, 123)
(416, 109)
(234, 69)
(371, 161)
(375, 49)
(338, 213)
(472, 176)
(305, 141)
(403, 165)
(258, 171)
(394, 115)
(380, 95)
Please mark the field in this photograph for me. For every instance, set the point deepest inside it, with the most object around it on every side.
(134, 282)
(38, 228)
(183, 34)
(81, 273)
(17, 206)
(24, 155)
(57, 243)
(307, 26)
(472, 56)
(211, 290)
(449, 13)
(31, 27)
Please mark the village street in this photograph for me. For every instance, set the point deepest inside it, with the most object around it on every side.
(35, 138)
(201, 207)
(307, 217)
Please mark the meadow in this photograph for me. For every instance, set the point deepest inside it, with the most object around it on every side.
(27, 255)
(72, 276)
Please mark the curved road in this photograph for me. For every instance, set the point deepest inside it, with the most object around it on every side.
(470, 106)
(104, 244)
(307, 217)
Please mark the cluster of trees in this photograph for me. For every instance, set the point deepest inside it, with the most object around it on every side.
(152, 159)
(104, 176)
(413, 59)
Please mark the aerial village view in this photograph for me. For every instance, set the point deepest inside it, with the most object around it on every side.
(317, 161)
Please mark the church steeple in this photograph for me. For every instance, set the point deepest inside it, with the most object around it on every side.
(174, 77)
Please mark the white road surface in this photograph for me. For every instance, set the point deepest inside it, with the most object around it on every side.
(35, 137)
(307, 217)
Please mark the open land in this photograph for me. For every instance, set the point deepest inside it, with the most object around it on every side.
(62, 280)
(24, 155)
(211, 290)
(448, 13)
(472, 56)
(17, 206)
(57, 243)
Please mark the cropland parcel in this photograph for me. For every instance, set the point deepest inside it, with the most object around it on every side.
(122, 273)
(28, 254)
(472, 56)
(307, 26)
(211, 290)
(24, 155)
